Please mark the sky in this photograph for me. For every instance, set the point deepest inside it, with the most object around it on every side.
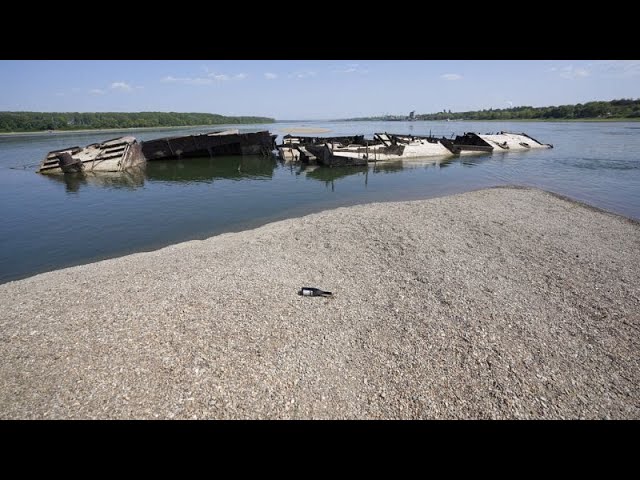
(309, 89)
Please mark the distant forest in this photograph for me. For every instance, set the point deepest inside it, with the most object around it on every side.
(623, 108)
(39, 121)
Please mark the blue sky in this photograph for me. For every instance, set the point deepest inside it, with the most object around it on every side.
(309, 89)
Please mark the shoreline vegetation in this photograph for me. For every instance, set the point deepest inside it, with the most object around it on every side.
(97, 130)
(42, 122)
(292, 130)
(447, 308)
(614, 110)
(16, 123)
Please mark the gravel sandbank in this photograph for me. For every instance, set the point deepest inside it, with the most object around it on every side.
(498, 303)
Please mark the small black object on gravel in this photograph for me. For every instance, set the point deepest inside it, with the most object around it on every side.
(313, 292)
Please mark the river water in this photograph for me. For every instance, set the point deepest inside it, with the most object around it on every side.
(49, 222)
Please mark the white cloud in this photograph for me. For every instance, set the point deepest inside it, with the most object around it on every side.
(122, 86)
(218, 76)
(571, 72)
(59, 94)
(451, 76)
(97, 91)
(223, 77)
(187, 80)
(305, 74)
(351, 68)
(617, 68)
(209, 79)
(270, 76)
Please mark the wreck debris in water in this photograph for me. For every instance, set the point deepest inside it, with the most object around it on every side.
(114, 155)
(356, 150)
(124, 153)
(498, 142)
(228, 142)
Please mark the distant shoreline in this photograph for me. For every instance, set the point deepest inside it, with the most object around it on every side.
(573, 120)
(105, 130)
(301, 130)
(304, 130)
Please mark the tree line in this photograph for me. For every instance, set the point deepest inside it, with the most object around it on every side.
(42, 121)
(623, 108)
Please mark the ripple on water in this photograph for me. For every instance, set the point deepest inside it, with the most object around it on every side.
(590, 163)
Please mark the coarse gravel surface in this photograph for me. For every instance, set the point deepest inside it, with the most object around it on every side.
(502, 303)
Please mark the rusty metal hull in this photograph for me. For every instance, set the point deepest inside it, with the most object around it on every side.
(116, 155)
(209, 144)
(499, 142)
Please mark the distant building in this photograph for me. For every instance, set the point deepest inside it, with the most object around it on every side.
(412, 116)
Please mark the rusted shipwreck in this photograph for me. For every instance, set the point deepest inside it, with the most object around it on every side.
(501, 141)
(123, 153)
(113, 155)
(356, 150)
(228, 142)
(294, 148)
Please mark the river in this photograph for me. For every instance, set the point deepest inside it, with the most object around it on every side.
(49, 222)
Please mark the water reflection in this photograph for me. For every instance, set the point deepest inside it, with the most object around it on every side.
(329, 175)
(592, 163)
(193, 170)
(474, 159)
(253, 167)
(388, 167)
(248, 167)
(325, 174)
(414, 163)
(131, 179)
